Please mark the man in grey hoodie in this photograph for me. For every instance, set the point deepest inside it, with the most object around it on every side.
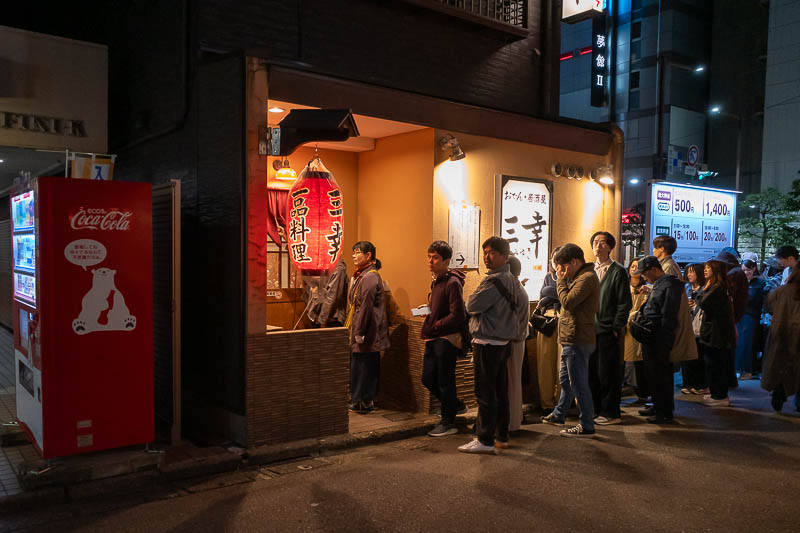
(493, 324)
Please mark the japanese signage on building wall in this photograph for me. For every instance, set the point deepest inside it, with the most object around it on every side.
(525, 213)
(703, 221)
(464, 235)
(599, 61)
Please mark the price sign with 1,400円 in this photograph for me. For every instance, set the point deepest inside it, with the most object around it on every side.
(702, 220)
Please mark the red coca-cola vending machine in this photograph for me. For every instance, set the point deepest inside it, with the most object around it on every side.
(83, 313)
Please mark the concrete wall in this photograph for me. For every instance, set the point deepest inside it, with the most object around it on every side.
(781, 152)
(50, 76)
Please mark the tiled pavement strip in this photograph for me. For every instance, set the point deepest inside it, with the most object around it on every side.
(12, 456)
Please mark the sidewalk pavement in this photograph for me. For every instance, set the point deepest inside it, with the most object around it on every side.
(120, 470)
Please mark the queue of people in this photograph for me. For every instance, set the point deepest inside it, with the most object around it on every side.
(592, 319)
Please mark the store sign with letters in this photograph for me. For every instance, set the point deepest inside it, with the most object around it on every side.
(525, 214)
(702, 220)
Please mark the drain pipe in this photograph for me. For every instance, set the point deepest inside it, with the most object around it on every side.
(618, 161)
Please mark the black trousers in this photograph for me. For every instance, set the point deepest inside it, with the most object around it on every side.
(694, 371)
(491, 391)
(717, 371)
(365, 372)
(439, 375)
(659, 377)
(605, 375)
(642, 386)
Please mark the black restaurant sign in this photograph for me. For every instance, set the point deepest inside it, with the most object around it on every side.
(599, 61)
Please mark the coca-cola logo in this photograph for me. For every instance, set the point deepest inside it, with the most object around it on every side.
(102, 219)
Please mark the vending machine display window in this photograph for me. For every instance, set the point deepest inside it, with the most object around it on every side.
(25, 252)
(22, 211)
(25, 288)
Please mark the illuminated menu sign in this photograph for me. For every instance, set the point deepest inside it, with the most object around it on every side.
(525, 209)
(703, 221)
(599, 60)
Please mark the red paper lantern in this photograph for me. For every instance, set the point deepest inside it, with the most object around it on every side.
(315, 221)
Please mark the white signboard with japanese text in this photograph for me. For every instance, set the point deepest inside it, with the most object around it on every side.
(575, 10)
(702, 220)
(525, 213)
(463, 235)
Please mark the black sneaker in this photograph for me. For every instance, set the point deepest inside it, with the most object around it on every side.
(552, 420)
(659, 419)
(647, 412)
(576, 431)
(778, 398)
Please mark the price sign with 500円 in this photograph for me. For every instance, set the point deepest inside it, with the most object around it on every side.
(702, 220)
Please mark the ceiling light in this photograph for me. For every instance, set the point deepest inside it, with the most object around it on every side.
(716, 109)
(606, 180)
(634, 181)
(276, 109)
(2, 160)
(449, 142)
(699, 68)
(284, 171)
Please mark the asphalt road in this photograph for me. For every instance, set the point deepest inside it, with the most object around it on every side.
(721, 469)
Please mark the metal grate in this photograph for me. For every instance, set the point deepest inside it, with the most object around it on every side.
(507, 11)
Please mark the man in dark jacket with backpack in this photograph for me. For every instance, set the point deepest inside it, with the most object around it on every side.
(660, 315)
(441, 332)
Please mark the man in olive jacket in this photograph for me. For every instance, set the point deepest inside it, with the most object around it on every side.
(605, 364)
(579, 292)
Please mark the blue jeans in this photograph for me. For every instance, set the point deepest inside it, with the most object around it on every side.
(574, 378)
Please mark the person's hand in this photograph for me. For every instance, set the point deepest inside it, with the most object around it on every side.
(644, 289)
(359, 339)
(561, 271)
(692, 304)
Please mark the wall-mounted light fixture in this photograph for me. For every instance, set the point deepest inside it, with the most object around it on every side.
(605, 175)
(283, 171)
(449, 142)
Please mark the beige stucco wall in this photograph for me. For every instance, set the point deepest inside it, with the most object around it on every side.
(395, 211)
(54, 77)
(579, 207)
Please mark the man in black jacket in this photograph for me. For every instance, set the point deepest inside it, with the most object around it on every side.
(661, 316)
(605, 363)
(441, 332)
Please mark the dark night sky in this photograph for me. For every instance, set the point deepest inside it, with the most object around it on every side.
(85, 20)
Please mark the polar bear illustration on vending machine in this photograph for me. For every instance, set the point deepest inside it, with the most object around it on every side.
(103, 298)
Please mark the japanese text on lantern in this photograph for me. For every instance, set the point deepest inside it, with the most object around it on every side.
(335, 237)
(298, 229)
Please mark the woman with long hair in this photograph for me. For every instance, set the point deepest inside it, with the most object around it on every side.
(717, 331)
(633, 350)
(782, 356)
(750, 321)
(368, 324)
(694, 371)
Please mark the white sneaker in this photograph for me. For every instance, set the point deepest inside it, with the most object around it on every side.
(605, 421)
(724, 402)
(475, 446)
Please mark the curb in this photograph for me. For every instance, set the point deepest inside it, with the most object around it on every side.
(65, 491)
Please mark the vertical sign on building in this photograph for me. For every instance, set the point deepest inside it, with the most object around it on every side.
(599, 60)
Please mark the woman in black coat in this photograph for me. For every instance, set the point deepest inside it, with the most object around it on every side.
(717, 332)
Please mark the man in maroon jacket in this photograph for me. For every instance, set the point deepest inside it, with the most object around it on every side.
(441, 332)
